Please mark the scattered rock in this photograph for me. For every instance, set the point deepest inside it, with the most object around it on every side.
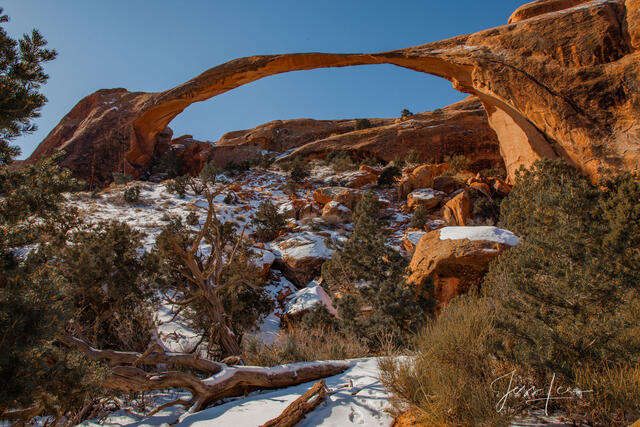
(348, 197)
(448, 184)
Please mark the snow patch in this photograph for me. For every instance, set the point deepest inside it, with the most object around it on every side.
(302, 245)
(491, 234)
(308, 297)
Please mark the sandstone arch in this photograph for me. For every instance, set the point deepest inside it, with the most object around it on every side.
(556, 81)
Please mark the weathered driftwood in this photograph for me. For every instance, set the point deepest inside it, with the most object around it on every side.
(227, 381)
(299, 408)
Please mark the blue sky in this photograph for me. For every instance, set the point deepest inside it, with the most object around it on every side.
(154, 45)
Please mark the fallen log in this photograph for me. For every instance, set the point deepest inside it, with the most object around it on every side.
(299, 408)
(227, 381)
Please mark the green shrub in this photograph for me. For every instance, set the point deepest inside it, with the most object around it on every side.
(363, 124)
(413, 157)
(494, 173)
(131, 194)
(178, 185)
(192, 219)
(340, 161)
(419, 219)
(448, 379)
(34, 370)
(299, 170)
(374, 274)
(406, 113)
(485, 208)
(121, 178)
(388, 176)
(209, 173)
(458, 164)
(169, 164)
(110, 290)
(567, 294)
(268, 222)
(236, 168)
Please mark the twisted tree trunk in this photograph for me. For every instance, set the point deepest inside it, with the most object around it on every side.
(227, 381)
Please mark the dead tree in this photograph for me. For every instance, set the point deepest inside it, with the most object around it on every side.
(204, 277)
(299, 408)
(128, 375)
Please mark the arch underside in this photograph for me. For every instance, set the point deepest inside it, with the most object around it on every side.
(525, 141)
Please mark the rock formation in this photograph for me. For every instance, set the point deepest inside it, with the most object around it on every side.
(560, 80)
(457, 258)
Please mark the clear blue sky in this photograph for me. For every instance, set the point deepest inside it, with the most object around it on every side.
(153, 45)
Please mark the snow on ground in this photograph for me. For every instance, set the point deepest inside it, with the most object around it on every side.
(415, 236)
(426, 194)
(492, 234)
(366, 408)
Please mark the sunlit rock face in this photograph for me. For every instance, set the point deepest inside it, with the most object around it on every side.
(561, 80)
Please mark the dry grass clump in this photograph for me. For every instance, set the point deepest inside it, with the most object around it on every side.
(615, 393)
(448, 379)
(303, 345)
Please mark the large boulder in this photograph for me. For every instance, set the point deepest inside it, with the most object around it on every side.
(425, 197)
(299, 256)
(457, 258)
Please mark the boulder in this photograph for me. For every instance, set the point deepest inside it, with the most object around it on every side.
(334, 211)
(427, 197)
(415, 178)
(411, 239)
(457, 210)
(356, 179)
(348, 197)
(304, 300)
(439, 169)
(376, 170)
(501, 188)
(299, 256)
(457, 258)
(263, 260)
(448, 184)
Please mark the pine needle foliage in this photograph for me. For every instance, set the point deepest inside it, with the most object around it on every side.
(378, 300)
(567, 295)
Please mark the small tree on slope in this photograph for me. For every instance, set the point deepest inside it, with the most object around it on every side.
(374, 275)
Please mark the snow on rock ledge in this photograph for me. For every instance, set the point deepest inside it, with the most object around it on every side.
(486, 233)
(305, 299)
(300, 256)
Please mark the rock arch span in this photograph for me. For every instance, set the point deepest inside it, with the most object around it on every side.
(559, 83)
